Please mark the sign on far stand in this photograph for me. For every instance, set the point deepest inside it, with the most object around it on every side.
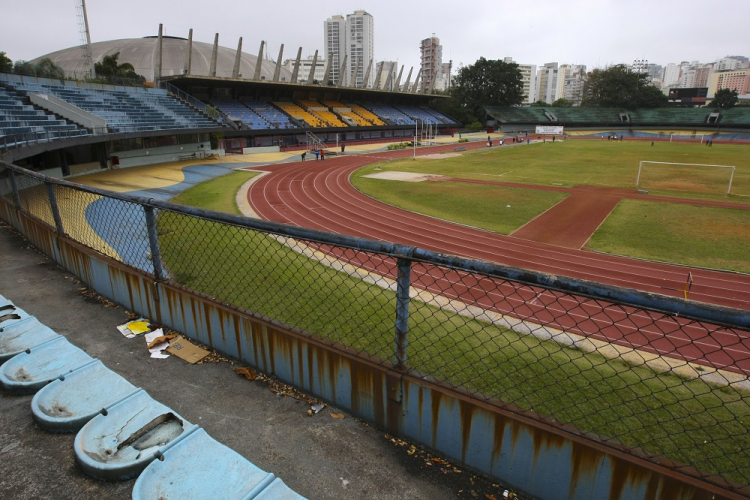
(549, 129)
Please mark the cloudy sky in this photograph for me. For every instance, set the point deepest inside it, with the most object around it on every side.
(592, 32)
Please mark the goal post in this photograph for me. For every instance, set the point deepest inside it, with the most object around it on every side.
(683, 176)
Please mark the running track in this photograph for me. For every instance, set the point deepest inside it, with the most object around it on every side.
(319, 195)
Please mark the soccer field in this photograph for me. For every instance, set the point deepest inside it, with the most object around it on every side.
(702, 236)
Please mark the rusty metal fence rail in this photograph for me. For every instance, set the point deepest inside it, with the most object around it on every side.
(658, 377)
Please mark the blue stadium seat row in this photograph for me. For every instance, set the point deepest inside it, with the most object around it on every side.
(125, 110)
(19, 119)
(121, 431)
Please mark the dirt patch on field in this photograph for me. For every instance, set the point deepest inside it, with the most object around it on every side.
(404, 176)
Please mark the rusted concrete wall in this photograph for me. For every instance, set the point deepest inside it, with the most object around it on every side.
(542, 460)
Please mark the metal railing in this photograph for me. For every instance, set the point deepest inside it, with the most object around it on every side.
(660, 377)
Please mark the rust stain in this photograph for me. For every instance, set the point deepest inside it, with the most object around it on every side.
(435, 400)
(255, 333)
(467, 411)
(585, 462)
(546, 440)
(196, 320)
(270, 339)
(378, 392)
(311, 368)
(300, 365)
(237, 336)
(207, 321)
(498, 437)
(220, 314)
(625, 474)
(361, 384)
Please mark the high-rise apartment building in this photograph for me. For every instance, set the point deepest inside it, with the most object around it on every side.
(353, 37)
(430, 61)
(547, 83)
(528, 79)
(334, 35)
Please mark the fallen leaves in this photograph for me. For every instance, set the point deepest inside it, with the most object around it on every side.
(246, 372)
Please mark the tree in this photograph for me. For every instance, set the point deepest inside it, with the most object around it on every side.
(618, 87)
(539, 104)
(725, 98)
(24, 68)
(110, 69)
(487, 83)
(6, 65)
(562, 103)
(48, 69)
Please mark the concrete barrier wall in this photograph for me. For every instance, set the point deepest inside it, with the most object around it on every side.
(535, 457)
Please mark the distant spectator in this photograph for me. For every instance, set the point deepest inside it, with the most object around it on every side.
(322, 154)
(317, 153)
(304, 153)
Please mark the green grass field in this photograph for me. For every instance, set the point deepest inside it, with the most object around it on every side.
(685, 420)
(588, 162)
(705, 237)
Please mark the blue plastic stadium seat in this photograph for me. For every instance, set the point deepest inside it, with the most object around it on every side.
(29, 371)
(67, 403)
(121, 441)
(199, 467)
(23, 335)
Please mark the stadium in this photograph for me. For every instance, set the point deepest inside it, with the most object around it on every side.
(525, 348)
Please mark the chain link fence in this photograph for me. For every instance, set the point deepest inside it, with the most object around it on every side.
(662, 378)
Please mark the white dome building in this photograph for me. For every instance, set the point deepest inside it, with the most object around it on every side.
(142, 54)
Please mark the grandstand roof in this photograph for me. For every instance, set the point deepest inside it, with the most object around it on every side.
(142, 52)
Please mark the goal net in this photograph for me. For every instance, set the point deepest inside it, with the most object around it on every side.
(685, 177)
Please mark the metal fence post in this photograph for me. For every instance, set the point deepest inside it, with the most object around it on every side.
(55, 209)
(403, 282)
(153, 241)
(14, 189)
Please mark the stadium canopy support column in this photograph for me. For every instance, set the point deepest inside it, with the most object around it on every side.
(295, 71)
(157, 69)
(398, 79)
(327, 72)
(277, 71)
(236, 69)
(416, 81)
(214, 54)
(189, 54)
(341, 82)
(389, 81)
(311, 76)
(353, 82)
(408, 80)
(367, 75)
(379, 75)
(259, 61)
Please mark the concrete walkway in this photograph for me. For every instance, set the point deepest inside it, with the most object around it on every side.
(320, 457)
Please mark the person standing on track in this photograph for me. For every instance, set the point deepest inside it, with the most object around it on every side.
(322, 154)
(316, 154)
(304, 153)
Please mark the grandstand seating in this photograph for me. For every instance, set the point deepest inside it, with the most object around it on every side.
(238, 111)
(345, 111)
(419, 114)
(300, 114)
(319, 110)
(127, 110)
(667, 116)
(366, 114)
(739, 115)
(585, 115)
(517, 114)
(17, 118)
(274, 116)
(390, 114)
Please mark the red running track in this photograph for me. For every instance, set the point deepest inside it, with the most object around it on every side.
(319, 195)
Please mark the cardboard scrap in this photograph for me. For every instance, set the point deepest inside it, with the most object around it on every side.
(185, 350)
(156, 348)
(134, 327)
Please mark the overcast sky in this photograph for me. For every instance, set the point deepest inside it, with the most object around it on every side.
(596, 33)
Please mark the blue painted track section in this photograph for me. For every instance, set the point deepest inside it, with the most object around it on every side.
(127, 234)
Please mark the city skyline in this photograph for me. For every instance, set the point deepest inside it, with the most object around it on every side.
(596, 34)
